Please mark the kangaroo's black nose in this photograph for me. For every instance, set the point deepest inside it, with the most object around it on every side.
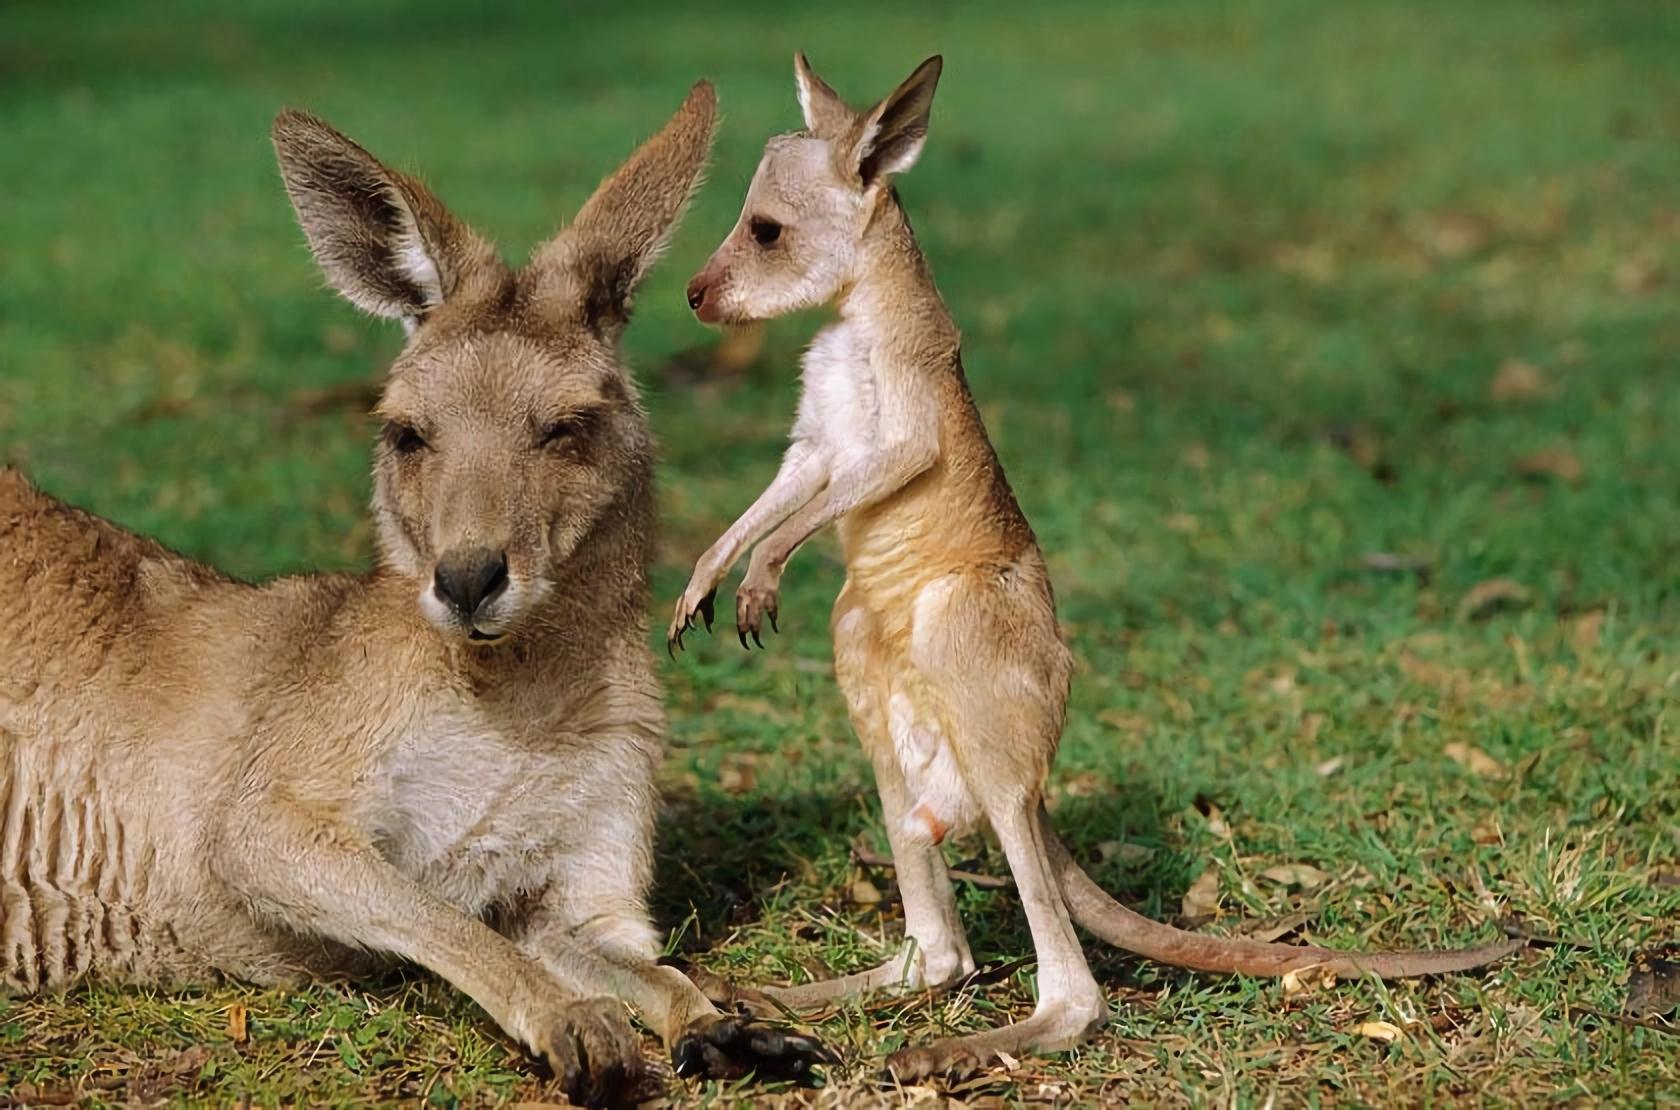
(696, 294)
(469, 580)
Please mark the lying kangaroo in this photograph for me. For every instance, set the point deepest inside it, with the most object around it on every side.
(448, 761)
(945, 637)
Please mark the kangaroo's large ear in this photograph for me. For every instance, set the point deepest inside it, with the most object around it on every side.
(826, 115)
(622, 228)
(382, 239)
(889, 139)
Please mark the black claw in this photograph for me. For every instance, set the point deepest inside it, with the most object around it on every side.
(774, 627)
(706, 609)
(742, 633)
(732, 1047)
(756, 640)
(688, 1056)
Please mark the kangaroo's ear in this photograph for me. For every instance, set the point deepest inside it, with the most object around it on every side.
(826, 115)
(382, 239)
(889, 139)
(622, 228)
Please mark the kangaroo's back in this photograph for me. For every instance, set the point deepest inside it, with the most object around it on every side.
(79, 603)
(77, 593)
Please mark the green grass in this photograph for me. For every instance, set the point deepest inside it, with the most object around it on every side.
(1237, 283)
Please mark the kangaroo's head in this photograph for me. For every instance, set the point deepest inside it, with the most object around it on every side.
(512, 429)
(814, 196)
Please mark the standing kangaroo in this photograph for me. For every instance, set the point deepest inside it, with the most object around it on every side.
(448, 761)
(945, 637)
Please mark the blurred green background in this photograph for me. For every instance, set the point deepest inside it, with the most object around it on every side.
(1331, 350)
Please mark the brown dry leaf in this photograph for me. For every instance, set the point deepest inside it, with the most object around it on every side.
(865, 893)
(1487, 598)
(1584, 630)
(1427, 672)
(1314, 262)
(237, 1023)
(737, 775)
(1654, 984)
(1475, 760)
(1081, 784)
(1524, 1025)
(1453, 235)
(1308, 979)
(1488, 832)
(1553, 462)
(1126, 720)
(1384, 1031)
(1390, 562)
(189, 1059)
(1268, 929)
(1202, 899)
(1216, 822)
(1637, 274)
(1311, 725)
(1132, 855)
(1517, 380)
(1303, 875)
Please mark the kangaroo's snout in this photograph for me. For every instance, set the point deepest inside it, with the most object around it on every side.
(703, 295)
(470, 580)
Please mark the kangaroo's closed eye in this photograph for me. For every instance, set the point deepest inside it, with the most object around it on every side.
(560, 431)
(764, 232)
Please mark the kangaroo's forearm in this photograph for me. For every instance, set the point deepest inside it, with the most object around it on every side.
(328, 882)
(802, 477)
(886, 474)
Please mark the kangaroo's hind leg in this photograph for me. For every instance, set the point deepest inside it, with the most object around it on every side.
(935, 950)
(1001, 682)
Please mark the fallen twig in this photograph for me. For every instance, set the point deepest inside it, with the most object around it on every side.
(866, 858)
(1656, 1024)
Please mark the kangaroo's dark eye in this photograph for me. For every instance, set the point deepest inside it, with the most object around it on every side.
(560, 431)
(404, 439)
(764, 232)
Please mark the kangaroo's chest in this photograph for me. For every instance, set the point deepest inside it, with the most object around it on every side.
(840, 407)
(473, 812)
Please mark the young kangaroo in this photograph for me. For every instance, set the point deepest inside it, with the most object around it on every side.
(448, 761)
(945, 637)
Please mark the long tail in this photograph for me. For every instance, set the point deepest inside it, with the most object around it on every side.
(1095, 911)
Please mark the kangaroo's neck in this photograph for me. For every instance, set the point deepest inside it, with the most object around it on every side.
(893, 299)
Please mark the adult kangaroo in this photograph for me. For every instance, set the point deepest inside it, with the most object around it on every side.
(449, 760)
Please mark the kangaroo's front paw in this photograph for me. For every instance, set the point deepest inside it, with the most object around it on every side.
(695, 602)
(594, 1054)
(755, 602)
(717, 1047)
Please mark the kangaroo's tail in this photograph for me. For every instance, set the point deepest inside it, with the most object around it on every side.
(1094, 910)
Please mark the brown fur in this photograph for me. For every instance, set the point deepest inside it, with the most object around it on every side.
(945, 636)
(200, 777)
